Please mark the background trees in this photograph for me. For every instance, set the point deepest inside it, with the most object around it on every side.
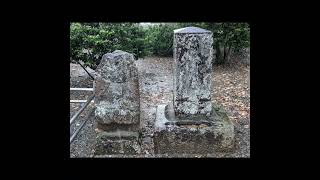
(89, 41)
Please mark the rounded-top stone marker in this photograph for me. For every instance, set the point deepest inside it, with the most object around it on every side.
(117, 98)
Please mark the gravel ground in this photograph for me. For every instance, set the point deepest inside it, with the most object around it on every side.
(83, 144)
(155, 76)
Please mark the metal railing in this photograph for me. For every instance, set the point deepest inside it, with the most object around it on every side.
(76, 115)
(81, 109)
(86, 103)
(80, 89)
(78, 101)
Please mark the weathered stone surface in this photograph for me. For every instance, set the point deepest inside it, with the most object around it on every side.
(192, 71)
(117, 67)
(79, 78)
(119, 142)
(117, 98)
(176, 137)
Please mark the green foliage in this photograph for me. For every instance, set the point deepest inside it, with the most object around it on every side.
(159, 39)
(89, 41)
(227, 37)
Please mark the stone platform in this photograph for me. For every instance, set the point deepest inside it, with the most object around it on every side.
(192, 136)
(119, 142)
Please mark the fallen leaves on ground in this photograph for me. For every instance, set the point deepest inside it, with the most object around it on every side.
(231, 89)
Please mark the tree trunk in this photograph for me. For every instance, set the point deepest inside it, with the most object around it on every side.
(224, 53)
(228, 54)
(218, 54)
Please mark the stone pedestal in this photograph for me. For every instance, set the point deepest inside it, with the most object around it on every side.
(199, 136)
(117, 99)
(191, 124)
(119, 142)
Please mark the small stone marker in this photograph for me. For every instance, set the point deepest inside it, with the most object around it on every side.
(117, 103)
(117, 91)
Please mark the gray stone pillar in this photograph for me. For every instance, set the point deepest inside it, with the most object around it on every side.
(117, 92)
(192, 124)
(192, 72)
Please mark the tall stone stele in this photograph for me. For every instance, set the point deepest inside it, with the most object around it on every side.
(192, 124)
(192, 72)
(117, 92)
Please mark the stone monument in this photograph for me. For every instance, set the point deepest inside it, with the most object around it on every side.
(192, 123)
(117, 103)
(192, 72)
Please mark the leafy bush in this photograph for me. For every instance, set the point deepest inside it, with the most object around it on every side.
(227, 37)
(159, 39)
(89, 41)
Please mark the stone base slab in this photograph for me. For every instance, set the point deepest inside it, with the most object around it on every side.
(120, 142)
(195, 136)
(112, 127)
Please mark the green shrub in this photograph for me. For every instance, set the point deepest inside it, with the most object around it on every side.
(159, 39)
(227, 37)
(89, 41)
